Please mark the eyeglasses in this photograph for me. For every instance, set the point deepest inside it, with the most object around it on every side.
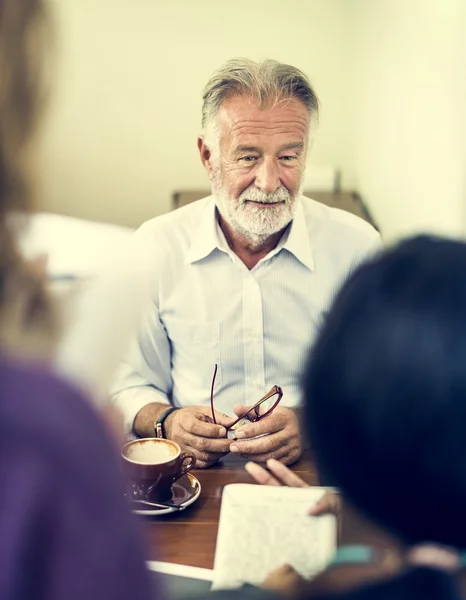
(266, 402)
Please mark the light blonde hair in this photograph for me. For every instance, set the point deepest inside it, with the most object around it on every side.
(268, 82)
(24, 36)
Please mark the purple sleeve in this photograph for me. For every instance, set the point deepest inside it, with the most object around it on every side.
(66, 530)
(58, 542)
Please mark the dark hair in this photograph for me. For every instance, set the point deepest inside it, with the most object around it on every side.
(386, 391)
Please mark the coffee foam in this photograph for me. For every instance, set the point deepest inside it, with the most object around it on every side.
(151, 452)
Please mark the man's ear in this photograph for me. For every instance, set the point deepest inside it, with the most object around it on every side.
(206, 155)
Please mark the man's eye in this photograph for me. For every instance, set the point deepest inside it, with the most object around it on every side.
(288, 158)
(248, 158)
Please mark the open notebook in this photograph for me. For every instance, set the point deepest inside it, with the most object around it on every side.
(263, 527)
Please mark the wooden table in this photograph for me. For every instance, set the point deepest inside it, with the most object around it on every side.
(189, 537)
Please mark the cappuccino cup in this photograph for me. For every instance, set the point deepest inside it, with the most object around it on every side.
(153, 465)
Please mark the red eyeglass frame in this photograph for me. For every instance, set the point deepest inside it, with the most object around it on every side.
(275, 390)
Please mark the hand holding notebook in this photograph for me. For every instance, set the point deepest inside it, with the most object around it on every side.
(263, 527)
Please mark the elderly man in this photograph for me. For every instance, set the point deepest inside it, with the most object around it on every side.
(241, 279)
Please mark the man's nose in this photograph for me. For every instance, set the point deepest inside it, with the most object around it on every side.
(267, 177)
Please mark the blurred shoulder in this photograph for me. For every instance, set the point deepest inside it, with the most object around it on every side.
(49, 414)
(181, 220)
(335, 221)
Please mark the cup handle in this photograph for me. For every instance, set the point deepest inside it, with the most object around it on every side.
(186, 462)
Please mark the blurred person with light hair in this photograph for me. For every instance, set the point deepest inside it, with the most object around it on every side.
(65, 528)
(242, 280)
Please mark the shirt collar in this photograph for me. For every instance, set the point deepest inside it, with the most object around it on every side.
(297, 238)
(207, 238)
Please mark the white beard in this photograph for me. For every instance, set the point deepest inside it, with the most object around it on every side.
(253, 222)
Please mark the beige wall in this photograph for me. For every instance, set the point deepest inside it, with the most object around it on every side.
(125, 112)
(410, 126)
(122, 127)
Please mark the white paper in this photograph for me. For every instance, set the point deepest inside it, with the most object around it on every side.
(76, 247)
(180, 570)
(264, 527)
(104, 300)
(107, 311)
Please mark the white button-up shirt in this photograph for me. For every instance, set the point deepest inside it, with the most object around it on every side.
(208, 308)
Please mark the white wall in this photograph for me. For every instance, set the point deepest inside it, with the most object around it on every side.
(125, 113)
(410, 128)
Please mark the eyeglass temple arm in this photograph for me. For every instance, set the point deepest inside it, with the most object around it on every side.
(212, 396)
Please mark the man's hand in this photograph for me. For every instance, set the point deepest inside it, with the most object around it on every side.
(193, 430)
(281, 437)
(278, 474)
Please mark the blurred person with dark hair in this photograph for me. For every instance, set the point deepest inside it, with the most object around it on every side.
(385, 408)
(65, 528)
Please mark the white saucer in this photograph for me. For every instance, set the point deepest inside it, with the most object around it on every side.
(185, 491)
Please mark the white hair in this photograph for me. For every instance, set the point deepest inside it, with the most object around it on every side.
(268, 82)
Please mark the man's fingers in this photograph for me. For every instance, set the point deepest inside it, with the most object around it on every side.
(203, 459)
(284, 475)
(260, 475)
(240, 409)
(270, 424)
(194, 425)
(207, 445)
(223, 419)
(267, 444)
(193, 431)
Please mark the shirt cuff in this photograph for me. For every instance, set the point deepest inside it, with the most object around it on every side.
(131, 401)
